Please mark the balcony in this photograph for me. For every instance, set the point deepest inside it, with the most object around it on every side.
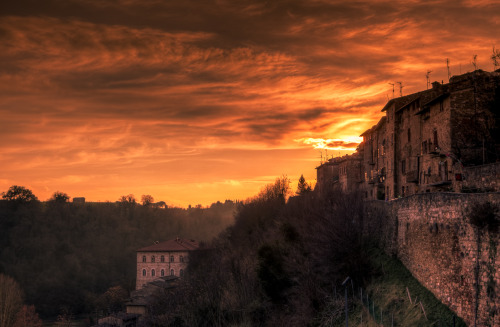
(412, 176)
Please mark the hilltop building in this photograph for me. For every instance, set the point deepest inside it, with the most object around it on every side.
(446, 138)
(163, 259)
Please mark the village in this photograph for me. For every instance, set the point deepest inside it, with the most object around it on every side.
(443, 139)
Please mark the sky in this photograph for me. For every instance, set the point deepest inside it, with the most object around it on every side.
(195, 102)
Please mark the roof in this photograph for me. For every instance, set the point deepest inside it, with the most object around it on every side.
(177, 244)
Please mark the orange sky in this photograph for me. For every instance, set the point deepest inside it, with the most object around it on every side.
(198, 101)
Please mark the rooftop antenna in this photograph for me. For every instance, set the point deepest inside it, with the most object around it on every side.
(400, 88)
(427, 77)
(321, 157)
(474, 61)
(448, 68)
(392, 89)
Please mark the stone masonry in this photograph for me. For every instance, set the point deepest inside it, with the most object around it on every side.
(431, 234)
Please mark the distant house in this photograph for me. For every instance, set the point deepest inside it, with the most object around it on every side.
(79, 200)
(163, 259)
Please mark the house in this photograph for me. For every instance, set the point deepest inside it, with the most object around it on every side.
(446, 138)
(163, 259)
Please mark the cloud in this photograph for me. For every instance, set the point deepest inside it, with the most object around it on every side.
(125, 87)
(332, 144)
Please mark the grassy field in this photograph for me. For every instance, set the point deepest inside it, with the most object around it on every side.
(386, 300)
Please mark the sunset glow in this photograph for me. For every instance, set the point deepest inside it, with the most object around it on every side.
(198, 101)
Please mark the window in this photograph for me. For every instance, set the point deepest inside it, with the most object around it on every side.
(162, 258)
(171, 272)
(181, 258)
(409, 135)
(403, 167)
(181, 273)
(143, 258)
(436, 144)
(152, 258)
(441, 106)
(424, 147)
(144, 272)
(171, 258)
(153, 272)
(162, 272)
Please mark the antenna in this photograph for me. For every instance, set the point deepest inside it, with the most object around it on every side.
(448, 68)
(392, 89)
(427, 77)
(474, 61)
(400, 88)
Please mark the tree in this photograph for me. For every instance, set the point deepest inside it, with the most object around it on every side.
(19, 194)
(303, 187)
(147, 200)
(10, 300)
(128, 199)
(279, 190)
(495, 57)
(59, 197)
(27, 317)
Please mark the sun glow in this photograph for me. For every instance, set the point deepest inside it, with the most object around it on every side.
(346, 144)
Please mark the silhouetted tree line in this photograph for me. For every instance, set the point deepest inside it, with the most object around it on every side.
(71, 258)
(276, 266)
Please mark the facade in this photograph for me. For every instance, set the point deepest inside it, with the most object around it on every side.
(163, 259)
(428, 141)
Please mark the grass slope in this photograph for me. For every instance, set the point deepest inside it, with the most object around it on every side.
(388, 301)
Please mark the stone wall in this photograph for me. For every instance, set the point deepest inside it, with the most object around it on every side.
(481, 178)
(431, 234)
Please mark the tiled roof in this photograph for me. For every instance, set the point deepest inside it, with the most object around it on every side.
(177, 244)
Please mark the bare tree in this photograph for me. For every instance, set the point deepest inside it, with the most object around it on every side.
(27, 317)
(10, 300)
(495, 57)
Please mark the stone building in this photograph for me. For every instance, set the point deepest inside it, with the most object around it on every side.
(344, 173)
(167, 258)
(433, 140)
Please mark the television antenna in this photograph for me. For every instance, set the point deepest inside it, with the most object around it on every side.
(400, 88)
(392, 89)
(448, 68)
(428, 78)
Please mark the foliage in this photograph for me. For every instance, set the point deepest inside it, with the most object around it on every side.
(275, 266)
(60, 197)
(303, 187)
(67, 256)
(129, 199)
(27, 317)
(10, 300)
(147, 200)
(279, 190)
(484, 215)
(388, 291)
(19, 194)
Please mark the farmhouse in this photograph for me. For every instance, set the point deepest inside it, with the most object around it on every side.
(163, 259)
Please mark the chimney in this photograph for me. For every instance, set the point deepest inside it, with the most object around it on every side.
(436, 85)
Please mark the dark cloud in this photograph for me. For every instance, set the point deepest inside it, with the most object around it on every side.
(131, 84)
